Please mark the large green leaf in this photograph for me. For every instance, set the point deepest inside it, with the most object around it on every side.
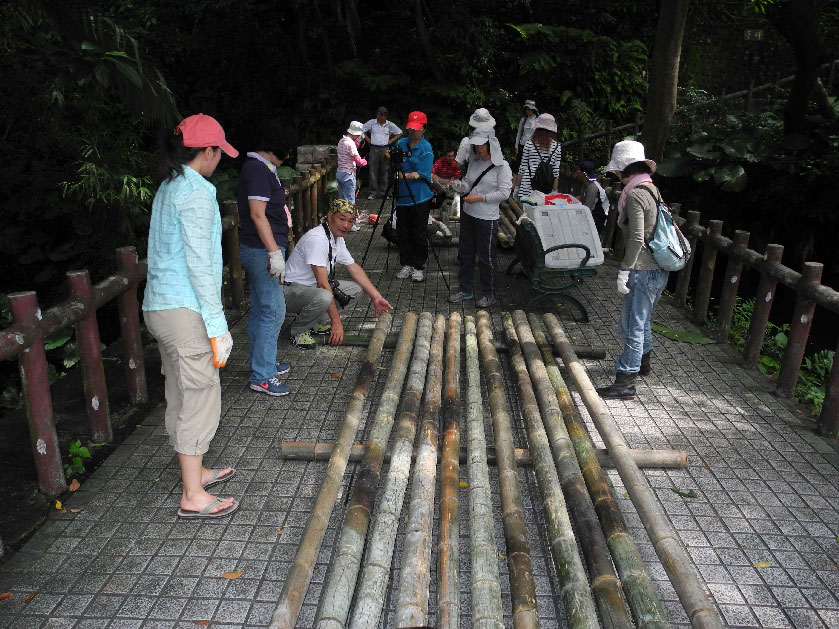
(731, 177)
(681, 335)
(703, 150)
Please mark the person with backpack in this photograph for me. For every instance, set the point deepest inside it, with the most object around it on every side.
(539, 167)
(640, 279)
(593, 195)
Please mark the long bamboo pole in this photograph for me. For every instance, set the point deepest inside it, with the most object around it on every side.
(519, 564)
(322, 450)
(692, 591)
(448, 591)
(575, 592)
(487, 612)
(637, 585)
(294, 589)
(370, 594)
(415, 571)
(336, 596)
(604, 583)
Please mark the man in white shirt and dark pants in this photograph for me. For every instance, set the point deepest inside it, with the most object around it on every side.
(380, 133)
(307, 288)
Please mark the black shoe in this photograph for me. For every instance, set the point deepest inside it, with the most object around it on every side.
(646, 365)
(622, 389)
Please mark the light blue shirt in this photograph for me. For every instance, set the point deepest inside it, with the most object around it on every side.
(185, 266)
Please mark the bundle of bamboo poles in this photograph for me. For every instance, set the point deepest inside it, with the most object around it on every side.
(612, 590)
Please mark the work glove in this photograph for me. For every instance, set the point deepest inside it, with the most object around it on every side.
(458, 186)
(623, 282)
(276, 263)
(221, 348)
(446, 231)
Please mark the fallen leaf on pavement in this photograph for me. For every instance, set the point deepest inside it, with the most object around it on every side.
(684, 494)
(203, 623)
(74, 485)
(234, 574)
(335, 376)
(72, 510)
(60, 507)
(464, 484)
(280, 532)
(5, 595)
(762, 564)
(29, 597)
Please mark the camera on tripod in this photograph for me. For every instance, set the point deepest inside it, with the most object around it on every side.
(398, 154)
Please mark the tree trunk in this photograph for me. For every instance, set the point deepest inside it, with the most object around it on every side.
(664, 76)
(425, 42)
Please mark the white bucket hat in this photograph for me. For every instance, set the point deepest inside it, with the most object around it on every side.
(545, 121)
(625, 153)
(356, 128)
(481, 118)
(530, 104)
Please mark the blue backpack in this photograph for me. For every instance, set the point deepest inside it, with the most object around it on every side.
(669, 248)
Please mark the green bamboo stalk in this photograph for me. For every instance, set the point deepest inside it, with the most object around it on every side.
(448, 591)
(575, 592)
(415, 572)
(295, 586)
(604, 582)
(374, 576)
(691, 589)
(336, 596)
(522, 586)
(487, 611)
(637, 585)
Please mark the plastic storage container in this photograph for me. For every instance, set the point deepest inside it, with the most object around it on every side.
(562, 225)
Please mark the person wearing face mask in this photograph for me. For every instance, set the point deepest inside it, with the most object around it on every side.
(182, 306)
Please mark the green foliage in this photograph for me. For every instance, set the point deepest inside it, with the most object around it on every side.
(77, 455)
(681, 335)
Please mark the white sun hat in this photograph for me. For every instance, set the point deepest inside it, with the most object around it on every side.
(625, 153)
(356, 128)
(545, 121)
(481, 118)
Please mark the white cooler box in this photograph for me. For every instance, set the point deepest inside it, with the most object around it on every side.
(562, 225)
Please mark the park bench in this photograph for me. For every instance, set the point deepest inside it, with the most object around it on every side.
(547, 281)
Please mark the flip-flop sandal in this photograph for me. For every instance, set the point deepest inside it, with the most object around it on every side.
(217, 479)
(205, 512)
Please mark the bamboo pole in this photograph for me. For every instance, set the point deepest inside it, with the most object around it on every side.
(336, 596)
(604, 581)
(519, 564)
(487, 612)
(322, 450)
(415, 571)
(692, 591)
(294, 589)
(374, 575)
(448, 591)
(637, 585)
(575, 592)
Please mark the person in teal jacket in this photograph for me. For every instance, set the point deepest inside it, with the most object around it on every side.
(413, 196)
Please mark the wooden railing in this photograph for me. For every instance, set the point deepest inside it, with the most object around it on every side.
(24, 339)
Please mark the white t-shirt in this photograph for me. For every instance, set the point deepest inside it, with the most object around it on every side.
(313, 248)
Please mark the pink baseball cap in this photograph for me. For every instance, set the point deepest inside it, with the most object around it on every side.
(416, 120)
(200, 131)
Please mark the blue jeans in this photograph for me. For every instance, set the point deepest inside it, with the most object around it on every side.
(346, 186)
(645, 289)
(267, 313)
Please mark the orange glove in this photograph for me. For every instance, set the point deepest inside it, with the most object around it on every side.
(222, 345)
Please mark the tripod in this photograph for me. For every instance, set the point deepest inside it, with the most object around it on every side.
(396, 170)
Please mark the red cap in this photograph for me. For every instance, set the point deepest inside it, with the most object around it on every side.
(200, 131)
(416, 120)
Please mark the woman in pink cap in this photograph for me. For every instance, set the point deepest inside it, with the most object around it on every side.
(182, 305)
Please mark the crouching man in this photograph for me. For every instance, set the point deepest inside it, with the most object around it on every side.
(311, 290)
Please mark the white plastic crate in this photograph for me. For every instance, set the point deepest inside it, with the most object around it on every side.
(566, 224)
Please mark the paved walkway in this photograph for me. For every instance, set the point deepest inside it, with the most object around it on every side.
(767, 489)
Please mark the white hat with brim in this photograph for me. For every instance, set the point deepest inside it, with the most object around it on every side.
(356, 128)
(530, 104)
(481, 118)
(625, 153)
(481, 136)
(545, 121)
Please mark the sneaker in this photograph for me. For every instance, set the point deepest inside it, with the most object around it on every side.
(354, 228)
(406, 271)
(371, 196)
(304, 340)
(282, 369)
(272, 387)
(486, 302)
(418, 276)
(322, 328)
(459, 296)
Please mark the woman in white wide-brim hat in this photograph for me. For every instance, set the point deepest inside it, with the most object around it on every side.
(640, 280)
(542, 147)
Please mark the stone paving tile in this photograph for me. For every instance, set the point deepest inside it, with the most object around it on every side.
(766, 487)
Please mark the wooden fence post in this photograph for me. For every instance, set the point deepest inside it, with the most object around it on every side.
(90, 354)
(683, 283)
(829, 418)
(129, 325)
(706, 275)
(763, 304)
(32, 363)
(234, 262)
(300, 226)
(728, 297)
(802, 320)
(313, 194)
(307, 199)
